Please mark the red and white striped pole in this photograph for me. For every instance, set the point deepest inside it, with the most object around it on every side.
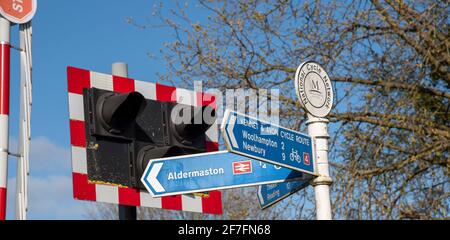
(4, 111)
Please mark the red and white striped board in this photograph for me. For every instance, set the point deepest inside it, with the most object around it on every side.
(77, 79)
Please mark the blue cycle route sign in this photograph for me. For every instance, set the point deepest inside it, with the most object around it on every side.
(268, 142)
(210, 171)
(270, 194)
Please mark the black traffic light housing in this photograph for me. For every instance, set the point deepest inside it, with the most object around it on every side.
(125, 130)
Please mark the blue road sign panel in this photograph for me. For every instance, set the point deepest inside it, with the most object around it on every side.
(268, 142)
(210, 171)
(270, 194)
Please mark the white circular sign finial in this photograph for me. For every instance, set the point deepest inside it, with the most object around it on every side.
(313, 88)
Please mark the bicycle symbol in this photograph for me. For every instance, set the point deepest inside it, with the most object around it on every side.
(294, 156)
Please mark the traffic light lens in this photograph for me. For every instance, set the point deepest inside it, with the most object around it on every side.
(119, 110)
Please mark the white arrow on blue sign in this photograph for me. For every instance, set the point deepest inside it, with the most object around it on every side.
(270, 194)
(210, 171)
(268, 142)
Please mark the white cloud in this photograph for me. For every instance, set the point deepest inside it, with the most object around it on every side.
(48, 198)
(51, 197)
(49, 184)
(47, 157)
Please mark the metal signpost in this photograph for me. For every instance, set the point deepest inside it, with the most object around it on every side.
(26, 67)
(268, 142)
(314, 90)
(211, 171)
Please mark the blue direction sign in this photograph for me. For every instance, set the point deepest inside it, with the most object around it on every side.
(210, 171)
(268, 142)
(270, 194)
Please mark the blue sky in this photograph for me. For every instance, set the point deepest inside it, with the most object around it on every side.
(87, 34)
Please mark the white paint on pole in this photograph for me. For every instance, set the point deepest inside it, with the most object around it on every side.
(4, 119)
(4, 30)
(314, 90)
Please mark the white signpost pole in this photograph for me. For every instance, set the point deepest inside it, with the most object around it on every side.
(25, 121)
(314, 90)
(318, 129)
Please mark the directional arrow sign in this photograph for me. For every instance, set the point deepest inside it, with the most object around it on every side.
(268, 142)
(210, 171)
(272, 193)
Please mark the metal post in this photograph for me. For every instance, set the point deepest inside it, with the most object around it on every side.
(25, 114)
(318, 128)
(4, 110)
(125, 212)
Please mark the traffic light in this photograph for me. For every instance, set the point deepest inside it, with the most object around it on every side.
(125, 130)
